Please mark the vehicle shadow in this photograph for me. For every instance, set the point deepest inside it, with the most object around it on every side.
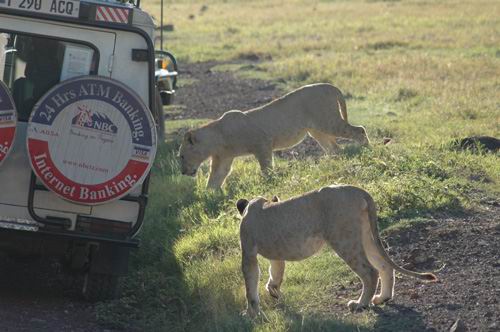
(33, 276)
(154, 294)
(36, 295)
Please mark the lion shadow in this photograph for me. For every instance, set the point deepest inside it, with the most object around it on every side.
(397, 317)
(389, 317)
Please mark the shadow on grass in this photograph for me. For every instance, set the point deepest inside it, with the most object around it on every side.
(153, 294)
(156, 297)
(353, 150)
(299, 322)
(391, 317)
(286, 320)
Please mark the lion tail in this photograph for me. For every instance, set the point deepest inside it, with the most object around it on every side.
(342, 106)
(372, 214)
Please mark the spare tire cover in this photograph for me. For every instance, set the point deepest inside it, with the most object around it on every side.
(8, 122)
(91, 140)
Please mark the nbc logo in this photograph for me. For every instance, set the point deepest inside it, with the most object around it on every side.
(88, 119)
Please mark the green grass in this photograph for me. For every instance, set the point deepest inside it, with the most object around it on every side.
(186, 275)
(439, 70)
(422, 73)
(175, 126)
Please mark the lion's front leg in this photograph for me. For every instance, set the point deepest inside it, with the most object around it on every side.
(265, 159)
(250, 268)
(219, 170)
(327, 142)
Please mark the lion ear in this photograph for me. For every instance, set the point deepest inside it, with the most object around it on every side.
(241, 205)
(275, 199)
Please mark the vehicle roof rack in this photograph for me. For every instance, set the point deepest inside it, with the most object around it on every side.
(134, 3)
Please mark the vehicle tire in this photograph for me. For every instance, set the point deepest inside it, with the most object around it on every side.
(99, 286)
(167, 98)
(159, 117)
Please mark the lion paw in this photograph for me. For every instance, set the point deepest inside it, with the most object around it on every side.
(273, 290)
(253, 308)
(379, 299)
(355, 306)
(251, 313)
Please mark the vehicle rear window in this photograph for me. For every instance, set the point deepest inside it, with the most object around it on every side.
(31, 65)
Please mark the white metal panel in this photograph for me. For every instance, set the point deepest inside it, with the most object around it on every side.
(13, 212)
(15, 178)
(3, 43)
(144, 21)
(46, 200)
(134, 74)
(117, 210)
(15, 172)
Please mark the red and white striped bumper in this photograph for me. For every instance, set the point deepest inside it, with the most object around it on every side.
(112, 14)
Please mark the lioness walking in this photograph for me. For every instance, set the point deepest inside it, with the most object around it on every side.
(318, 110)
(344, 217)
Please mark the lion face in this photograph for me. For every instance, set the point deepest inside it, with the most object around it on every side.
(192, 153)
(361, 136)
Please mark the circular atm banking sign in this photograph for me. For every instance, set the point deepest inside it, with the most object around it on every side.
(8, 121)
(91, 140)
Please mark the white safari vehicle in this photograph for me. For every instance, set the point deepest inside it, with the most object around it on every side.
(81, 96)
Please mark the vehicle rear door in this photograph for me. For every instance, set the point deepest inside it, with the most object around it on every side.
(15, 172)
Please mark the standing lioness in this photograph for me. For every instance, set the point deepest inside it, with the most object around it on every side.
(344, 217)
(313, 109)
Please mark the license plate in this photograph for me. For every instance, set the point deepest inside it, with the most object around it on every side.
(19, 224)
(67, 8)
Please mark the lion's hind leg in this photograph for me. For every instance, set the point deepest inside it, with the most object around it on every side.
(354, 255)
(387, 286)
(276, 272)
(369, 278)
(386, 273)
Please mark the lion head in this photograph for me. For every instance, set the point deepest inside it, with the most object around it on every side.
(192, 153)
(360, 135)
(242, 203)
